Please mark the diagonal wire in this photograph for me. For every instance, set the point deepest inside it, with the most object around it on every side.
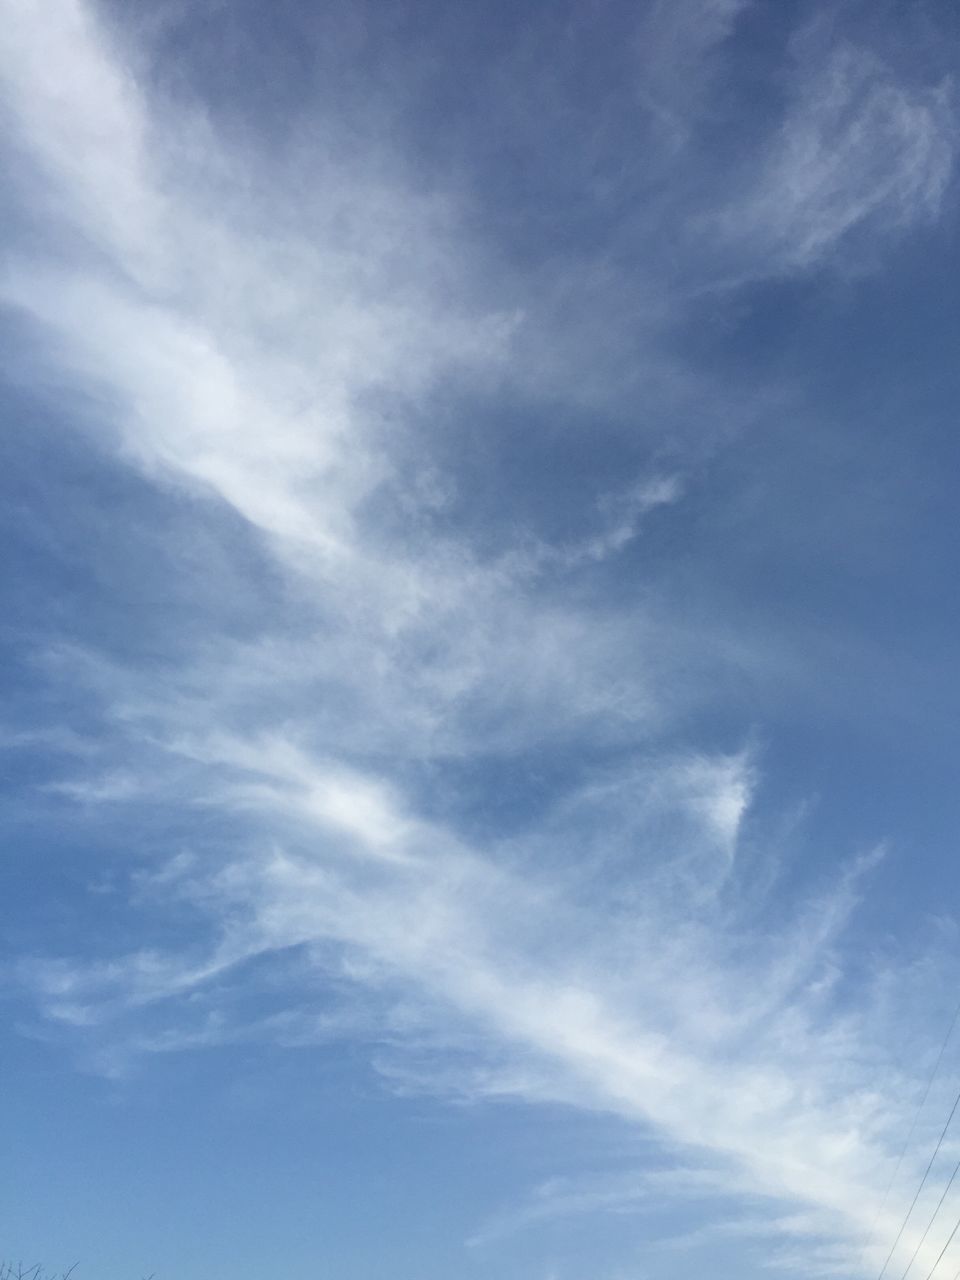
(933, 1219)
(923, 1183)
(909, 1138)
(956, 1228)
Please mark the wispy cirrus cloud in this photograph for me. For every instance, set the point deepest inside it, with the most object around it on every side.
(602, 947)
(858, 151)
(679, 1018)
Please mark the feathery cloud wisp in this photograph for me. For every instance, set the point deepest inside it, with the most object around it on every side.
(597, 949)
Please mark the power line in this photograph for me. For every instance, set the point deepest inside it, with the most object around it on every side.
(923, 1183)
(956, 1228)
(909, 1138)
(933, 1219)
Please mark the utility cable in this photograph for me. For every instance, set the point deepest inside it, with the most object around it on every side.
(909, 1138)
(933, 1219)
(923, 1183)
(956, 1228)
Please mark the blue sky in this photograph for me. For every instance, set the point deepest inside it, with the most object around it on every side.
(479, 633)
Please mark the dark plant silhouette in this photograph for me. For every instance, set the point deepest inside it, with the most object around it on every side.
(17, 1271)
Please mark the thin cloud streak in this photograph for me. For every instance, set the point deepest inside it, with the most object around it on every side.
(603, 957)
(857, 152)
(613, 1023)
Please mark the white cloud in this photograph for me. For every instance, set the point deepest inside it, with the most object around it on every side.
(857, 150)
(607, 1011)
(601, 955)
(633, 1192)
(675, 41)
(80, 114)
(718, 791)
